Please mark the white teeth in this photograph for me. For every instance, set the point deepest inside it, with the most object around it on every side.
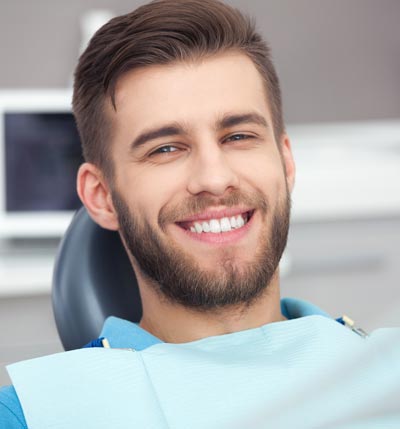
(206, 227)
(239, 222)
(225, 224)
(219, 225)
(215, 227)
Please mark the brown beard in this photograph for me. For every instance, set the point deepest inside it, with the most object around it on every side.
(178, 277)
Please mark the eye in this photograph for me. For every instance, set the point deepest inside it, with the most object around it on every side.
(238, 137)
(164, 149)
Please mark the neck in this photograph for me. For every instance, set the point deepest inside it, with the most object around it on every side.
(174, 323)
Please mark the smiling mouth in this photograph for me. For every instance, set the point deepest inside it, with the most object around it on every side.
(217, 225)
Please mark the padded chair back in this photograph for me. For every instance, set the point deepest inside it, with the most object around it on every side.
(93, 279)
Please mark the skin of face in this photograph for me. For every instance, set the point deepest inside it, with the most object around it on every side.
(186, 131)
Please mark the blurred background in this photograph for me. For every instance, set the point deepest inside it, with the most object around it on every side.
(339, 65)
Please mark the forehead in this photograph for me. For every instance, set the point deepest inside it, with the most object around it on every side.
(192, 93)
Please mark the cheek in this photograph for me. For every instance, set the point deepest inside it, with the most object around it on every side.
(265, 172)
(147, 190)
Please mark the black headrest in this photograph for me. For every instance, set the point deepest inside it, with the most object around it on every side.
(93, 279)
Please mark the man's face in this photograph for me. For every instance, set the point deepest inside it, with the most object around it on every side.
(200, 187)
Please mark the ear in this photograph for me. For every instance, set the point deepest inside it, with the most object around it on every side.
(288, 161)
(96, 196)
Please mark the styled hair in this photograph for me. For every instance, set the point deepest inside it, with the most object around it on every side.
(160, 32)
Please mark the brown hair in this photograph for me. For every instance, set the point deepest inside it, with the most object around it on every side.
(160, 32)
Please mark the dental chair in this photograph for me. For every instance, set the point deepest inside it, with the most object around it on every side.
(93, 279)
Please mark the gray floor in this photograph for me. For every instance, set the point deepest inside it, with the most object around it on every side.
(27, 330)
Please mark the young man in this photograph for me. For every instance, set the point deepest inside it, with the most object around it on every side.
(179, 111)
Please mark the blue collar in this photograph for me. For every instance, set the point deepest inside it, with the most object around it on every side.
(293, 308)
(124, 334)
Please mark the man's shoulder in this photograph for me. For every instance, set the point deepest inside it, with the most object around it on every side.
(11, 414)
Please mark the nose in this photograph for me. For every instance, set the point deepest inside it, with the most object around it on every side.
(212, 172)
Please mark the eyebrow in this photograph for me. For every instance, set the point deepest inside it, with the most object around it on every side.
(245, 118)
(175, 129)
(164, 131)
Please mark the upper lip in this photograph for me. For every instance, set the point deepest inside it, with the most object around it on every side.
(216, 214)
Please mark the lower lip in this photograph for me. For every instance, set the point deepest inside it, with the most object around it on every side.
(228, 237)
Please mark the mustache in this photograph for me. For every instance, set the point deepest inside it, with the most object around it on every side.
(196, 204)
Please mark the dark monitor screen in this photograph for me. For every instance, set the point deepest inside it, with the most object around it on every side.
(42, 156)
